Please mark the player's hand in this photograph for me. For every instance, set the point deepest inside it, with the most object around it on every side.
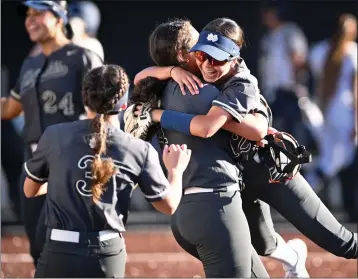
(156, 114)
(176, 158)
(270, 131)
(138, 109)
(183, 77)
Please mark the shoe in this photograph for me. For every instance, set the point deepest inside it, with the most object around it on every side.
(299, 269)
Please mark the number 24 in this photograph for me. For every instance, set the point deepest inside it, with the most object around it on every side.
(65, 104)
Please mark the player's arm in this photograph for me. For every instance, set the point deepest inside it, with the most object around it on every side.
(252, 126)
(37, 169)
(11, 107)
(163, 193)
(233, 110)
(298, 48)
(181, 76)
(34, 189)
(355, 98)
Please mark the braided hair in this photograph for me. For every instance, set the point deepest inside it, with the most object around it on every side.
(102, 88)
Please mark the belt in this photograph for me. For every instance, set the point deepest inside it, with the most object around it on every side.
(74, 237)
(194, 190)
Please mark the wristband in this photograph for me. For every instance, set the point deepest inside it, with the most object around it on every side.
(177, 121)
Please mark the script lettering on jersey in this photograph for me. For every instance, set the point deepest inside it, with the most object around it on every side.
(28, 79)
(85, 163)
(55, 69)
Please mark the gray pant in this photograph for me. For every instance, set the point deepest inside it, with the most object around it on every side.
(213, 228)
(90, 258)
(298, 203)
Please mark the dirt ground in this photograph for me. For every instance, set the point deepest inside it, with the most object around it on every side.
(156, 254)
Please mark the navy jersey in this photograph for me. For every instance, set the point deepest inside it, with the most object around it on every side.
(63, 159)
(240, 95)
(211, 163)
(49, 88)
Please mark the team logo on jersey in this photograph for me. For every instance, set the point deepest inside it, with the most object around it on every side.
(55, 69)
(212, 37)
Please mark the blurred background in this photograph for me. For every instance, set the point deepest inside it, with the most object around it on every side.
(290, 47)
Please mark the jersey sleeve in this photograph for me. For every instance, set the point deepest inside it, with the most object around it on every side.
(264, 109)
(238, 99)
(90, 61)
(37, 167)
(15, 91)
(152, 180)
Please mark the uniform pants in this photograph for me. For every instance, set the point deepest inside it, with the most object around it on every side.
(298, 203)
(213, 228)
(88, 259)
(349, 185)
(33, 218)
(12, 156)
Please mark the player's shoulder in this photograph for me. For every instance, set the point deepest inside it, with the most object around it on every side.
(93, 45)
(242, 82)
(64, 128)
(134, 149)
(132, 142)
(84, 54)
(291, 27)
(31, 61)
(352, 50)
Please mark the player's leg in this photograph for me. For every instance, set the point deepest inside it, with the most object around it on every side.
(186, 245)
(269, 243)
(40, 236)
(30, 211)
(349, 186)
(12, 157)
(300, 205)
(217, 226)
(100, 259)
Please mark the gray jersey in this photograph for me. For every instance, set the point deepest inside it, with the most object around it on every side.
(49, 88)
(211, 164)
(240, 96)
(65, 163)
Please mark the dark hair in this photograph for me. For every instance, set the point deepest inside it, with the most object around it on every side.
(168, 39)
(102, 88)
(228, 28)
(146, 90)
(335, 56)
(67, 28)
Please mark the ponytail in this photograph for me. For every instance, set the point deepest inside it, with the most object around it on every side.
(102, 90)
(102, 168)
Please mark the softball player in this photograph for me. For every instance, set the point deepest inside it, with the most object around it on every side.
(47, 90)
(218, 233)
(295, 200)
(90, 175)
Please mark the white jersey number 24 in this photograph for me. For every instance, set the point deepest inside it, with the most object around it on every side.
(51, 106)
